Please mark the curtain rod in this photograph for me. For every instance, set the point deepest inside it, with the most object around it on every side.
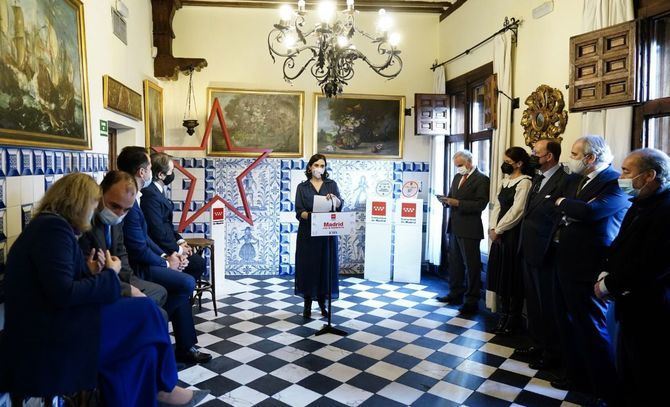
(509, 24)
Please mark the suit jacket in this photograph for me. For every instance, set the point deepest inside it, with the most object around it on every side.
(595, 215)
(142, 251)
(638, 261)
(540, 220)
(465, 220)
(157, 210)
(95, 239)
(51, 338)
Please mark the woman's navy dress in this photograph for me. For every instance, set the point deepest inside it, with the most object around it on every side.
(315, 257)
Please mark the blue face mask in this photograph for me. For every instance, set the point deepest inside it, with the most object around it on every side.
(626, 185)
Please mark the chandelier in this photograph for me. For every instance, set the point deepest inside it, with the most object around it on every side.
(327, 49)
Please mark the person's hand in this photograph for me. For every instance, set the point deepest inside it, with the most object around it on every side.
(453, 202)
(493, 235)
(304, 215)
(135, 292)
(112, 262)
(95, 261)
(443, 200)
(329, 197)
(174, 260)
(183, 261)
(186, 249)
(597, 292)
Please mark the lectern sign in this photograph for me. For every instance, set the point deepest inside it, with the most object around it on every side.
(333, 223)
(408, 213)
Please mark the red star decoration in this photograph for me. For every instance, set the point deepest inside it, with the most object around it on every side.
(247, 216)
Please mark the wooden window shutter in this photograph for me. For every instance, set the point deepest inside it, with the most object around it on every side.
(431, 114)
(604, 68)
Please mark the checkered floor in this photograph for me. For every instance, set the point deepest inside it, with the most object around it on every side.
(403, 348)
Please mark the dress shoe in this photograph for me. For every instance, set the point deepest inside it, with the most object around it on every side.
(561, 383)
(543, 364)
(500, 327)
(449, 300)
(467, 309)
(307, 309)
(529, 352)
(324, 310)
(198, 396)
(192, 356)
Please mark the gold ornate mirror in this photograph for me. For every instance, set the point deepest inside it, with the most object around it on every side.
(545, 116)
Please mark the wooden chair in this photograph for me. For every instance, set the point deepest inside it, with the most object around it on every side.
(199, 245)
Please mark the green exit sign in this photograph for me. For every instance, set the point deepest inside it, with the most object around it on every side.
(103, 128)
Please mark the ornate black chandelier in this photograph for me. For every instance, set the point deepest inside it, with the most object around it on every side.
(328, 46)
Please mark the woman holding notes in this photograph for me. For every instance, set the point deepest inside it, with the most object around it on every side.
(316, 257)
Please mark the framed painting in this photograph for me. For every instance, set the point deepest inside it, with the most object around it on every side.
(154, 127)
(359, 126)
(120, 98)
(258, 119)
(43, 80)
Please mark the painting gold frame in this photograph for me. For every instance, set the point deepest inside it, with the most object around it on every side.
(153, 140)
(335, 152)
(121, 99)
(77, 117)
(275, 99)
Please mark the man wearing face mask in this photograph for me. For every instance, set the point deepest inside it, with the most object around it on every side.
(157, 209)
(592, 209)
(538, 253)
(118, 196)
(637, 277)
(467, 198)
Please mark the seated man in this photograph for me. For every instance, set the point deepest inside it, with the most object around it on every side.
(157, 210)
(118, 195)
(145, 255)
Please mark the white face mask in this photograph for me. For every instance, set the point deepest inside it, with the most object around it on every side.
(317, 172)
(108, 217)
(147, 181)
(462, 170)
(626, 185)
(576, 166)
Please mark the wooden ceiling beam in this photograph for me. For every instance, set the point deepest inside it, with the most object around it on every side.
(411, 6)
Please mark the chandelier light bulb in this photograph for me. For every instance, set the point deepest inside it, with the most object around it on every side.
(326, 11)
(290, 40)
(285, 12)
(394, 39)
(301, 5)
(350, 4)
(342, 41)
(384, 24)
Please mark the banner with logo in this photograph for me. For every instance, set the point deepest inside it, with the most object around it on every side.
(379, 210)
(333, 223)
(408, 212)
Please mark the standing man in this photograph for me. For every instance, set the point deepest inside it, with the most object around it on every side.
(538, 253)
(467, 198)
(637, 277)
(156, 265)
(592, 210)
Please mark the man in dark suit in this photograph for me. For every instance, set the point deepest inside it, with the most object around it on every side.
(637, 277)
(467, 198)
(118, 195)
(156, 265)
(592, 209)
(538, 252)
(157, 210)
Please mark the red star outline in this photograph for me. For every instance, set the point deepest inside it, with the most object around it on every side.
(247, 216)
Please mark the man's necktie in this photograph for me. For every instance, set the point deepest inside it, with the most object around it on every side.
(537, 185)
(463, 179)
(581, 184)
(108, 236)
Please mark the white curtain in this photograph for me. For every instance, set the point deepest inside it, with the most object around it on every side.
(502, 136)
(434, 221)
(614, 124)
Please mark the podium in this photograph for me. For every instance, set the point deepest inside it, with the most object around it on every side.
(333, 223)
(378, 225)
(408, 220)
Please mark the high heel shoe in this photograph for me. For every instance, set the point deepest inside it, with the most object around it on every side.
(502, 321)
(307, 309)
(322, 306)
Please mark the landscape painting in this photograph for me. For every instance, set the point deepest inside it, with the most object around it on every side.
(120, 98)
(258, 119)
(359, 126)
(43, 84)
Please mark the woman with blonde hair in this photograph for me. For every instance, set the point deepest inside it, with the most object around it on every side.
(66, 328)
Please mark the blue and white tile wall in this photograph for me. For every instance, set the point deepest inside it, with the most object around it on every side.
(25, 173)
(268, 247)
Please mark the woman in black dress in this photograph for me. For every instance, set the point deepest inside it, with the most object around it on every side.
(504, 274)
(315, 257)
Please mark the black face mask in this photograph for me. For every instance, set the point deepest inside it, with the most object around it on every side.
(507, 168)
(534, 162)
(168, 179)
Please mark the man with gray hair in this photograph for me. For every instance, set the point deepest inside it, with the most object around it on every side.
(467, 198)
(592, 208)
(637, 277)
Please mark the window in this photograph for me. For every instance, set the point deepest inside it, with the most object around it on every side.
(651, 124)
(469, 128)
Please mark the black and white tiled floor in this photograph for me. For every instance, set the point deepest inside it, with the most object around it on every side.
(403, 348)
